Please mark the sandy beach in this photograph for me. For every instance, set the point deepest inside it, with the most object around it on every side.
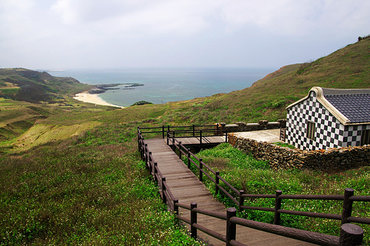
(93, 98)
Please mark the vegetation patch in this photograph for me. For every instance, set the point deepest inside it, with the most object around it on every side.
(255, 177)
(79, 192)
(43, 133)
(33, 86)
(77, 178)
(8, 91)
(285, 145)
(141, 103)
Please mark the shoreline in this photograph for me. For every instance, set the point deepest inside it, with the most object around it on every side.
(86, 97)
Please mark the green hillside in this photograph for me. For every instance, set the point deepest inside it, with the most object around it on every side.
(32, 86)
(267, 98)
(71, 175)
(27, 96)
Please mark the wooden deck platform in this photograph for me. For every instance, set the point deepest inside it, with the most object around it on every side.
(186, 187)
(195, 141)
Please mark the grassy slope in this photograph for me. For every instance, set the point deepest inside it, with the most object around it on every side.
(267, 98)
(86, 189)
(89, 189)
(255, 177)
(22, 91)
(36, 86)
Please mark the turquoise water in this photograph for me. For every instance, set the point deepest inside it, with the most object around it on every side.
(165, 85)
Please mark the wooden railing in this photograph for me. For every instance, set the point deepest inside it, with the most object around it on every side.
(350, 234)
(238, 196)
(191, 130)
(200, 135)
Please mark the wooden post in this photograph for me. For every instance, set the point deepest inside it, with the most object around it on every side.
(139, 146)
(175, 207)
(217, 130)
(168, 138)
(200, 138)
(193, 130)
(143, 146)
(189, 156)
(155, 171)
(350, 235)
(217, 182)
(193, 220)
(150, 163)
(200, 170)
(138, 138)
(168, 128)
(230, 227)
(225, 137)
(164, 199)
(180, 150)
(277, 207)
(173, 140)
(146, 154)
(163, 132)
(241, 200)
(347, 205)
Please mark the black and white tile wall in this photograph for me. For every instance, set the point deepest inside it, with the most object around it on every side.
(329, 132)
(352, 135)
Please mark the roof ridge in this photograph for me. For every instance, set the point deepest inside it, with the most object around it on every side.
(349, 108)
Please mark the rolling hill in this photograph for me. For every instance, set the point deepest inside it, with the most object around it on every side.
(70, 172)
(32, 86)
(267, 98)
(27, 96)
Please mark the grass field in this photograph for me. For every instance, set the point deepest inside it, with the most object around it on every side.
(256, 177)
(90, 189)
(70, 172)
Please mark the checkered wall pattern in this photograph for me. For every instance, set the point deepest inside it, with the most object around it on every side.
(329, 132)
(352, 135)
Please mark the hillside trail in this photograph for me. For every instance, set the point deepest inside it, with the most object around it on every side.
(187, 188)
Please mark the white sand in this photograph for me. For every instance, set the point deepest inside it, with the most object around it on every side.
(93, 98)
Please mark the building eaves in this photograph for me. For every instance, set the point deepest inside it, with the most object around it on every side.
(349, 106)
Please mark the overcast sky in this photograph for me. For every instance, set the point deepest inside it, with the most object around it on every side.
(75, 34)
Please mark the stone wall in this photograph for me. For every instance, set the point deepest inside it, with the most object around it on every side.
(284, 157)
(245, 127)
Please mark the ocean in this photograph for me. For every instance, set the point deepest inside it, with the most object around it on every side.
(163, 85)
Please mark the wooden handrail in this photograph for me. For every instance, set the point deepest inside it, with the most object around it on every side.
(211, 213)
(239, 202)
(303, 235)
(180, 129)
(214, 234)
(314, 197)
(308, 236)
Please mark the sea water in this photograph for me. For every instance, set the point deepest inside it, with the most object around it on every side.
(163, 85)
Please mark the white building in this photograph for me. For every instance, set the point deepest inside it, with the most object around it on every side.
(329, 118)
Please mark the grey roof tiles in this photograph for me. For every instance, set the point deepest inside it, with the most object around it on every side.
(356, 107)
(349, 106)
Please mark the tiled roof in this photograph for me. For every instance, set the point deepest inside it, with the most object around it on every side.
(349, 106)
(356, 107)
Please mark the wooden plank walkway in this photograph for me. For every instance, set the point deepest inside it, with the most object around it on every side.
(186, 187)
(205, 140)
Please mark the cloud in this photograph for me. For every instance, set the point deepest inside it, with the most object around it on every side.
(141, 16)
(291, 17)
(194, 32)
(189, 17)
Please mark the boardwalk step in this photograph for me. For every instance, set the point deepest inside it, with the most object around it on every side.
(187, 188)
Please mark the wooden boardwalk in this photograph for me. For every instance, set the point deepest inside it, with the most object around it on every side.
(205, 140)
(186, 187)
